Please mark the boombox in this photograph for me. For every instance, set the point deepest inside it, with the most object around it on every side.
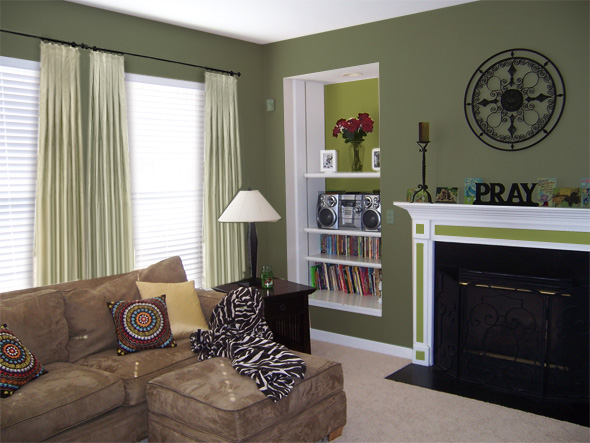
(349, 211)
(327, 211)
(371, 212)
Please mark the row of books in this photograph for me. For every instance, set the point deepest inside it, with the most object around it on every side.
(350, 245)
(349, 279)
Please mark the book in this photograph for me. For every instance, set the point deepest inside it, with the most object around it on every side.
(469, 194)
(585, 193)
(566, 197)
(545, 191)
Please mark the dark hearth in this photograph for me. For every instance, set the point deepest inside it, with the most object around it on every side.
(511, 324)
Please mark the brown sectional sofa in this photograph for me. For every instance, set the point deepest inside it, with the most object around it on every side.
(90, 393)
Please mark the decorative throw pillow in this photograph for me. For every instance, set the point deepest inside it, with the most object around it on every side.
(141, 324)
(17, 364)
(182, 301)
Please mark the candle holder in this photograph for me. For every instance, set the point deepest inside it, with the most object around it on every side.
(423, 187)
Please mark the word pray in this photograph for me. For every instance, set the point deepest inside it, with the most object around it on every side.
(520, 194)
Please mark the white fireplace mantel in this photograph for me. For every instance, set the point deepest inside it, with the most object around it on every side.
(530, 227)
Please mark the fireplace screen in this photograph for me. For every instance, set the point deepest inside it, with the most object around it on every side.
(521, 333)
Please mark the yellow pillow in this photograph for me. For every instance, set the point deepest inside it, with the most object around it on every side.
(182, 301)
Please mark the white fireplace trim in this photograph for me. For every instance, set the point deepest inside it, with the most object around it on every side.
(531, 227)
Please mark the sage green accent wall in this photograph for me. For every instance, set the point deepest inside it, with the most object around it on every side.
(577, 238)
(347, 100)
(420, 291)
(105, 29)
(425, 63)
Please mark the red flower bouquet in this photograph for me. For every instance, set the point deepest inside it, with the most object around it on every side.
(354, 129)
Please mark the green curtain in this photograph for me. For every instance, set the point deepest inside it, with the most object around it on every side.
(108, 182)
(59, 244)
(224, 244)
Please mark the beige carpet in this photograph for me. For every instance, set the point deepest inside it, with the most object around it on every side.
(381, 410)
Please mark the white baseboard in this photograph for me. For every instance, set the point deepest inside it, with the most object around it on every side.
(361, 343)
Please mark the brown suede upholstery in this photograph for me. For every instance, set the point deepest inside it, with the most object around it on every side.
(210, 401)
(76, 394)
(92, 394)
(37, 319)
(137, 368)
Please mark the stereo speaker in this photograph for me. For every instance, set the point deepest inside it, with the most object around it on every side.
(327, 211)
(371, 217)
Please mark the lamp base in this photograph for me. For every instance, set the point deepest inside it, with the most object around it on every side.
(248, 282)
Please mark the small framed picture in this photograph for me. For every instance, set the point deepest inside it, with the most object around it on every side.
(329, 160)
(376, 159)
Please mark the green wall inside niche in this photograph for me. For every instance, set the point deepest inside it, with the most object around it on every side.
(347, 100)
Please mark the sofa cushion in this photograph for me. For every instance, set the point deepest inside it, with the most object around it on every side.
(215, 401)
(138, 368)
(142, 325)
(90, 322)
(37, 319)
(18, 365)
(170, 270)
(66, 396)
(182, 301)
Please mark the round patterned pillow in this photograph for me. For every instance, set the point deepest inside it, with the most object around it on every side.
(18, 365)
(141, 324)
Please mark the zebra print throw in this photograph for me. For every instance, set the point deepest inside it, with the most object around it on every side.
(239, 332)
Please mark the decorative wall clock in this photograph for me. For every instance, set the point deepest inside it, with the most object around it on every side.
(514, 99)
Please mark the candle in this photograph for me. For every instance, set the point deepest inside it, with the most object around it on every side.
(423, 132)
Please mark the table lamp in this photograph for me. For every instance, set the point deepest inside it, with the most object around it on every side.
(250, 207)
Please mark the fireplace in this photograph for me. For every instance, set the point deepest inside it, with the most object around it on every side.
(515, 319)
(500, 303)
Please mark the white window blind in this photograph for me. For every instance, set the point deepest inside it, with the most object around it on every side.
(19, 119)
(166, 143)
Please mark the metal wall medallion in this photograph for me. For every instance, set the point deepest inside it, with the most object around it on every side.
(514, 99)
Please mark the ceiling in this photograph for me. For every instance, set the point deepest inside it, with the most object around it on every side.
(268, 21)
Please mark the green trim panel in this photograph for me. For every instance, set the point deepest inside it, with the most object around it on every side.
(419, 228)
(420, 292)
(420, 355)
(577, 238)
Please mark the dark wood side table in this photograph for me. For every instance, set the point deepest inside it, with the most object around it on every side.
(286, 310)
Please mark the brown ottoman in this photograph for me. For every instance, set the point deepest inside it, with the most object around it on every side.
(210, 401)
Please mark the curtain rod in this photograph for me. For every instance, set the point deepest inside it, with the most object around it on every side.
(94, 48)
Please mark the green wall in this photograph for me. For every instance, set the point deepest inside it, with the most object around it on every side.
(347, 100)
(425, 63)
(95, 27)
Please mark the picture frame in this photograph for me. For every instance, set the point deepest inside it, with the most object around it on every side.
(376, 159)
(328, 160)
(446, 195)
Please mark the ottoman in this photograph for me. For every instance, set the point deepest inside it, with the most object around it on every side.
(210, 401)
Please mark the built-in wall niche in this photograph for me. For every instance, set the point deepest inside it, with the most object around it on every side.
(305, 137)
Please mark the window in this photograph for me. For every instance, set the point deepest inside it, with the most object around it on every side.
(166, 143)
(166, 138)
(19, 115)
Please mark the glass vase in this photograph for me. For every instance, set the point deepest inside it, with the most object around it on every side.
(357, 152)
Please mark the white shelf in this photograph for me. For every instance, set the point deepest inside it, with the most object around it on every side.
(343, 232)
(345, 260)
(342, 175)
(342, 301)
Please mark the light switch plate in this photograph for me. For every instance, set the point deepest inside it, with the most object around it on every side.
(389, 214)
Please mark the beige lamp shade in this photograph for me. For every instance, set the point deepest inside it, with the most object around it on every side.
(249, 206)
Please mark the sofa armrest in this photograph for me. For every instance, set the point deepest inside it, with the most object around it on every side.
(209, 299)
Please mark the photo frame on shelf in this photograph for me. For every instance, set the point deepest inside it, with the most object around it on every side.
(328, 160)
(376, 159)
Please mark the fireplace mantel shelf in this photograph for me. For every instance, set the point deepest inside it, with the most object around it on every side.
(516, 226)
(519, 217)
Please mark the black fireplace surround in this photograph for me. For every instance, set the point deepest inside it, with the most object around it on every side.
(513, 323)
